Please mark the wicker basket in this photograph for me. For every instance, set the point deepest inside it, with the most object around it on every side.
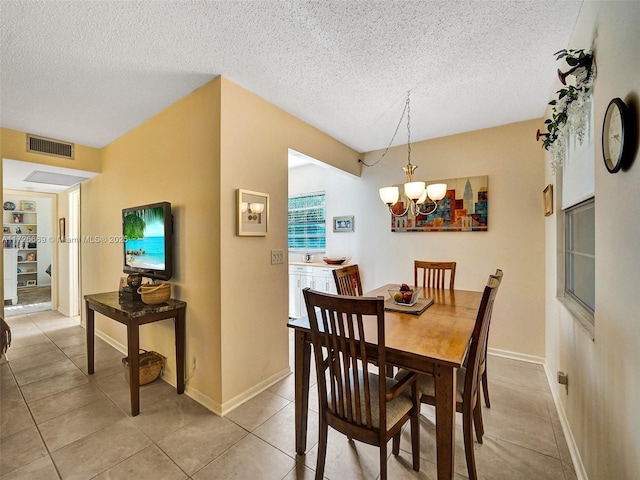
(150, 366)
(154, 294)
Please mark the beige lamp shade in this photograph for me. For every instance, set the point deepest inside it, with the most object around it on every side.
(389, 195)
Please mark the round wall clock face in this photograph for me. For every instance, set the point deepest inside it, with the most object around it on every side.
(616, 141)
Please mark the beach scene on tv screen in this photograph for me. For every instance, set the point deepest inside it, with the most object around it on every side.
(144, 238)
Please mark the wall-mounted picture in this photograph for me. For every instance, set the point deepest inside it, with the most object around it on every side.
(464, 208)
(252, 216)
(27, 206)
(343, 224)
(547, 197)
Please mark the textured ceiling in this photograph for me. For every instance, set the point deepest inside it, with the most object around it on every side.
(89, 71)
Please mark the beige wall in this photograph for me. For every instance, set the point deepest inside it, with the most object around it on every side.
(172, 157)
(514, 162)
(195, 154)
(13, 145)
(601, 405)
(255, 139)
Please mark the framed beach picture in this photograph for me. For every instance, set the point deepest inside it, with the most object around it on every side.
(252, 215)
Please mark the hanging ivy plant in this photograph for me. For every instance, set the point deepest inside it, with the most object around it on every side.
(571, 108)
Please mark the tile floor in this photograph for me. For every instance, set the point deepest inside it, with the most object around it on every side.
(59, 423)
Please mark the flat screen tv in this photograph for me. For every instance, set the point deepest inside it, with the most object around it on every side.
(148, 240)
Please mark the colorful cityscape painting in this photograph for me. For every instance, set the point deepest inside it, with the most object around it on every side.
(463, 209)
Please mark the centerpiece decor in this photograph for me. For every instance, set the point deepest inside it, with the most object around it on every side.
(572, 107)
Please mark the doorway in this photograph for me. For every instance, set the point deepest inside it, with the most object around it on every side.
(49, 277)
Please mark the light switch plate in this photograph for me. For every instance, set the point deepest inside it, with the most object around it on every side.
(277, 257)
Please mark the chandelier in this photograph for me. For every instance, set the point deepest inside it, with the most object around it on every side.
(416, 192)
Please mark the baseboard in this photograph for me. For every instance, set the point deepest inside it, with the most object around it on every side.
(581, 473)
(516, 356)
(217, 408)
(238, 400)
(113, 342)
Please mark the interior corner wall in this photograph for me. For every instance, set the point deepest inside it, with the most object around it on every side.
(601, 405)
(255, 139)
(514, 242)
(174, 157)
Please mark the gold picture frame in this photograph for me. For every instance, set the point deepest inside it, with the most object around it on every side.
(547, 198)
(252, 213)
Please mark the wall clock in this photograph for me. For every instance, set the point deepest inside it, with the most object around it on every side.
(617, 136)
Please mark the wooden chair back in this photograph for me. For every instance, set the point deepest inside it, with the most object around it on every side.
(348, 281)
(477, 351)
(337, 323)
(351, 400)
(434, 273)
(482, 368)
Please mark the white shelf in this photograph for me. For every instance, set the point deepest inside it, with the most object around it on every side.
(19, 242)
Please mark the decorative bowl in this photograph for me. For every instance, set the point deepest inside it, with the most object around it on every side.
(334, 261)
(9, 206)
(406, 301)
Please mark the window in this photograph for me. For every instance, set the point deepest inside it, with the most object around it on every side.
(307, 222)
(579, 256)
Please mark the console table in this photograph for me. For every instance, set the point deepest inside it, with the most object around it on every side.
(133, 315)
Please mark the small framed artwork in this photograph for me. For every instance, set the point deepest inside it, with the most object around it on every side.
(547, 196)
(252, 216)
(17, 218)
(343, 224)
(62, 229)
(31, 283)
(27, 206)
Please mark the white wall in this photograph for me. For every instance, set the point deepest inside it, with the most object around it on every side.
(601, 405)
(338, 186)
(514, 162)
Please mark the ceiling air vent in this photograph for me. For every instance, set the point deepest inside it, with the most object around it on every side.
(49, 146)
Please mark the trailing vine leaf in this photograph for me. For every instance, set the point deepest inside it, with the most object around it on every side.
(582, 68)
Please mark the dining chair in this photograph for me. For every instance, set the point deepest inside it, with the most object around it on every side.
(467, 401)
(353, 400)
(348, 280)
(483, 360)
(434, 273)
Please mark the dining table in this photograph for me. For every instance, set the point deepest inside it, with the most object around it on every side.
(433, 342)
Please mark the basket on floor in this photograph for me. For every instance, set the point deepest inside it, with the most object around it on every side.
(150, 366)
(154, 294)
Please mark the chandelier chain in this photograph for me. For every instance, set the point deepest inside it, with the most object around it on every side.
(405, 111)
(408, 106)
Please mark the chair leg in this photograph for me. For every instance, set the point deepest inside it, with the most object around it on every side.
(396, 444)
(322, 448)
(477, 421)
(485, 387)
(467, 420)
(415, 437)
(383, 460)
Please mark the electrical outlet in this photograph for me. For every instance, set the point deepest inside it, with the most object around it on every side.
(277, 257)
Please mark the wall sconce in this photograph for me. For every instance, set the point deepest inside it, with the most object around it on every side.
(254, 209)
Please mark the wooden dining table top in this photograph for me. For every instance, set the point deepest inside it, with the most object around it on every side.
(439, 335)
